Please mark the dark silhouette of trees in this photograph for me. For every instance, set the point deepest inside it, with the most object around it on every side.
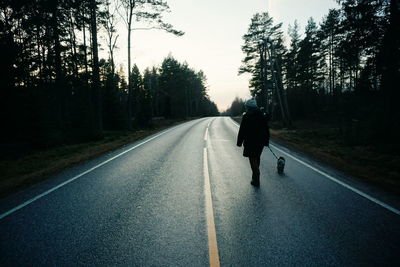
(109, 22)
(291, 60)
(56, 89)
(149, 12)
(152, 89)
(96, 90)
(264, 51)
(236, 108)
(343, 71)
(329, 37)
(183, 91)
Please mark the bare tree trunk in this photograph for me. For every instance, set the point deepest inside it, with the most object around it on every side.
(278, 86)
(282, 92)
(59, 82)
(330, 66)
(39, 54)
(130, 90)
(112, 40)
(333, 69)
(277, 91)
(96, 91)
(112, 63)
(73, 45)
(85, 52)
(264, 96)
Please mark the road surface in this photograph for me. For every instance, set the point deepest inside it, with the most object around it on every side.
(183, 198)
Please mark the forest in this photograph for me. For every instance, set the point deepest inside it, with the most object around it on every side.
(56, 90)
(343, 71)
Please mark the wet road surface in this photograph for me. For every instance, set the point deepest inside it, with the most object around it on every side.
(146, 205)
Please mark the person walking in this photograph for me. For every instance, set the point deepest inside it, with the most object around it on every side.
(254, 135)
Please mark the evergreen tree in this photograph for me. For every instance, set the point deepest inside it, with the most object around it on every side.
(260, 31)
(291, 59)
(329, 36)
(308, 59)
(236, 108)
(184, 91)
(149, 12)
(264, 50)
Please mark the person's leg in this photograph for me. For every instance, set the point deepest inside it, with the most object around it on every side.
(255, 164)
(258, 166)
(257, 161)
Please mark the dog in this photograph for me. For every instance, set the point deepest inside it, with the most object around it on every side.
(280, 165)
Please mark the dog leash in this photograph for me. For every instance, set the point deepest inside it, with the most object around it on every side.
(273, 153)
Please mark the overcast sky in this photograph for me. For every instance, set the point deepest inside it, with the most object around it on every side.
(213, 38)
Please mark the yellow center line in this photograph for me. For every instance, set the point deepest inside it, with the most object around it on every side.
(212, 236)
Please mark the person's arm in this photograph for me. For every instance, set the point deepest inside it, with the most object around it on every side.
(241, 133)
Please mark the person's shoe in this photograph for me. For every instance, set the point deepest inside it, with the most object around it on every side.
(255, 183)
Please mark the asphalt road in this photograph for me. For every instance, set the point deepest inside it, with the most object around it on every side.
(146, 205)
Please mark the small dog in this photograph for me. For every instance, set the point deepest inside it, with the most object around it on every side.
(280, 165)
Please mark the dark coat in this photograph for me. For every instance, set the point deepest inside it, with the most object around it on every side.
(253, 133)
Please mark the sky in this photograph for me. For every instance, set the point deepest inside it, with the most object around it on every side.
(213, 38)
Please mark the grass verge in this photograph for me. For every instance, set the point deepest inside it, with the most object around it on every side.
(323, 144)
(22, 172)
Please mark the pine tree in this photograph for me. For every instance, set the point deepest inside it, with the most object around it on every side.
(308, 59)
(291, 59)
(329, 36)
(263, 48)
(150, 13)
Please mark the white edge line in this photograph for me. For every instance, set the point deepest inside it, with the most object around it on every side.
(376, 201)
(5, 214)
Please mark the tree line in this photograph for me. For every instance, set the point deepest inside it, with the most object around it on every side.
(236, 108)
(342, 71)
(56, 89)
